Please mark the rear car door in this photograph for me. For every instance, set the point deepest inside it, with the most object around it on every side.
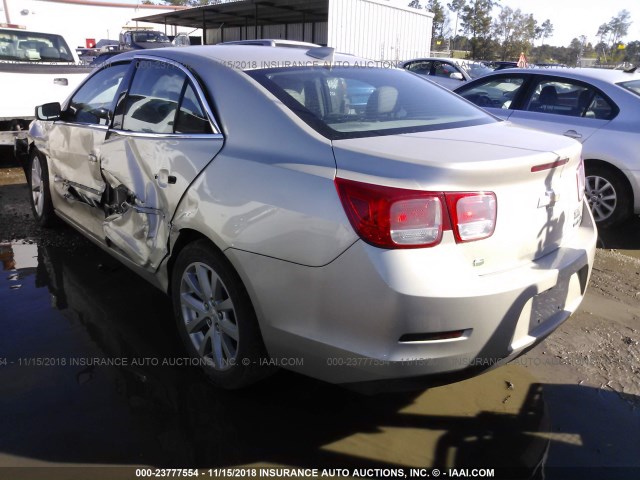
(565, 107)
(163, 135)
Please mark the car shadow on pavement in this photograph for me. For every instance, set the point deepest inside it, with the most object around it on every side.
(624, 237)
(81, 306)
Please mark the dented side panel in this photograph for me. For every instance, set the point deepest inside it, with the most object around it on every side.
(148, 175)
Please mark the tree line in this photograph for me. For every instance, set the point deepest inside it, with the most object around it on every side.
(490, 31)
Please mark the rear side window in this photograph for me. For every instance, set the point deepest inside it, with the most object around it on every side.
(564, 97)
(191, 116)
(153, 98)
(162, 100)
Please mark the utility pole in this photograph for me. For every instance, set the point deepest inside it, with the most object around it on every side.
(6, 11)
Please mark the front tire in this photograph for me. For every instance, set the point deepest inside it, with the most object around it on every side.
(215, 318)
(40, 194)
(608, 194)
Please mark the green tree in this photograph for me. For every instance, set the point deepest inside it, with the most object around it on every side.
(476, 21)
(415, 4)
(439, 18)
(514, 31)
(456, 6)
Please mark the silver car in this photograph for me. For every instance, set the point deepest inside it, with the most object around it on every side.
(448, 72)
(599, 108)
(415, 239)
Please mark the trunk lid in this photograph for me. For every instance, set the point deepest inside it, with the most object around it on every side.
(533, 175)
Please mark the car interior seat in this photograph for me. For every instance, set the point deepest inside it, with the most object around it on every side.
(382, 103)
(548, 99)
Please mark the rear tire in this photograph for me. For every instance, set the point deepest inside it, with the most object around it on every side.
(609, 195)
(215, 318)
(38, 178)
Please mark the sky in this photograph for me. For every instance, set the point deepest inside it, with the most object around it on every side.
(571, 18)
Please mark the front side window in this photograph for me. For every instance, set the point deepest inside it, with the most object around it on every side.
(92, 103)
(565, 97)
(494, 92)
(345, 102)
(443, 69)
(421, 67)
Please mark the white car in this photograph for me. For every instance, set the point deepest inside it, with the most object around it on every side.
(599, 108)
(412, 240)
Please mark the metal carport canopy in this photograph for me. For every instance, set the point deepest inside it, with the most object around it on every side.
(245, 13)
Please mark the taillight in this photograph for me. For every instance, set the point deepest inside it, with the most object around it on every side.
(473, 215)
(389, 217)
(581, 181)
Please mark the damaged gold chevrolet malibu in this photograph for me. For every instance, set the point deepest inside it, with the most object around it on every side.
(360, 225)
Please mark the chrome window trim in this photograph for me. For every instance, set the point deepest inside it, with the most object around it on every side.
(202, 136)
(196, 85)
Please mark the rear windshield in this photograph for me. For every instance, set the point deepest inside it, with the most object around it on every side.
(633, 86)
(23, 46)
(350, 102)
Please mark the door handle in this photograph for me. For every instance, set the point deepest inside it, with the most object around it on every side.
(572, 134)
(63, 82)
(93, 158)
(163, 178)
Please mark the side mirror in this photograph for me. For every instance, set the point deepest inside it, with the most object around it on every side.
(48, 111)
(456, 76)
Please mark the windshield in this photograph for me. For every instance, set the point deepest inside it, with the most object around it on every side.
(633, 86)
(22, 46)
(345, 102)
(156, 37)
(475, 69)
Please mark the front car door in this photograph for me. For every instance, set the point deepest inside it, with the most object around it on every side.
(74, 147)
(163, 135)
(498, 94)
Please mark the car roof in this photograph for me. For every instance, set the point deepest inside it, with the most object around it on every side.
(251, 57)
(584, 74)
(275, 42)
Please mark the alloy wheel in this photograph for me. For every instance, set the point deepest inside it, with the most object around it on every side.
(602, 197)
(209, 316)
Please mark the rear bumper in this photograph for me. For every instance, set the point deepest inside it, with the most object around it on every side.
(348, 322)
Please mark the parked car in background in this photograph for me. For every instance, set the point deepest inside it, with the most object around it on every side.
(35, 67)
(448, 72)
(501, 65)
(291, 229)
(599, 108)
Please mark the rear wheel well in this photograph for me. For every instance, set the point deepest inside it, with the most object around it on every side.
(185, 237)
(625, 199)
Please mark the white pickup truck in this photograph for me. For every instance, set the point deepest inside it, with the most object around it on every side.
(35, 68)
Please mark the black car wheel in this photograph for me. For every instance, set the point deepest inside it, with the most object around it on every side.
(38, 178)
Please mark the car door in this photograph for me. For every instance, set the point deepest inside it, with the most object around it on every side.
(564, 106)
(163, 136)
(74, 146)
(498, 94)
